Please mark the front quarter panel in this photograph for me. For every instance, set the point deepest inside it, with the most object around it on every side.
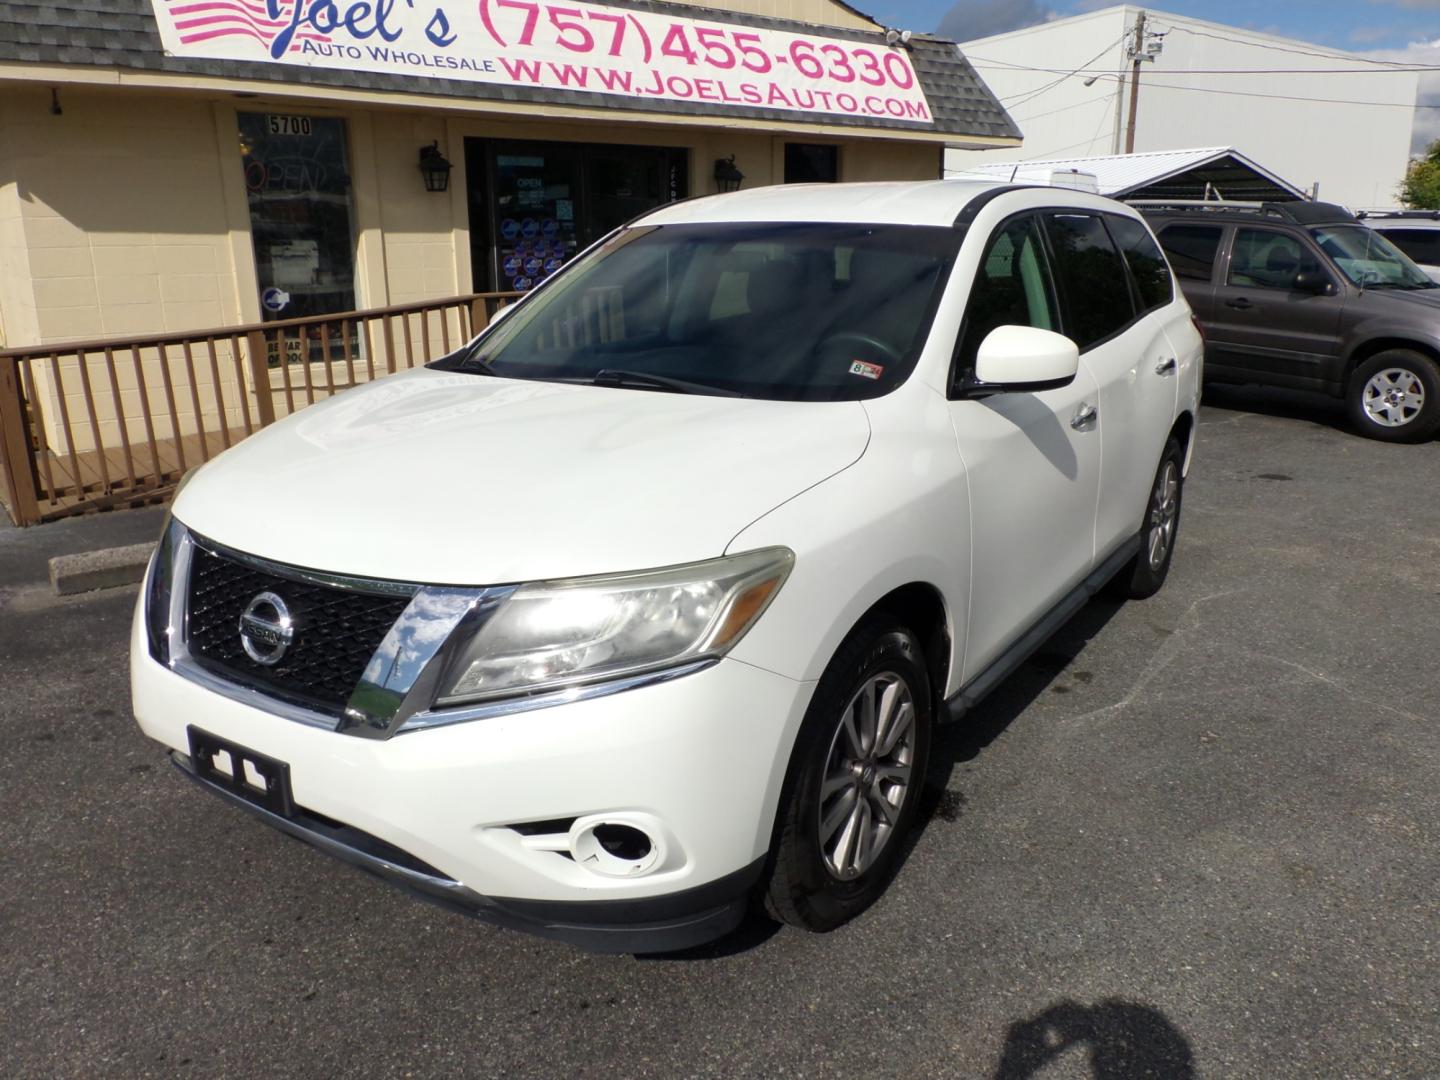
(900, 515)
(1393, 329)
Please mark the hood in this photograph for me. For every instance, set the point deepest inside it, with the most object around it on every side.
(460, 479)
(1415, 303)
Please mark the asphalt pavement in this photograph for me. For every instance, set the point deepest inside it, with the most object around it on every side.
(1196, 836)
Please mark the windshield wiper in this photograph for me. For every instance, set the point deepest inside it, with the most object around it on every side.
(479, 365)
(643, 380)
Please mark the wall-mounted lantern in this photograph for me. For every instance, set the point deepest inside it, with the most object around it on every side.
(727, 176)
(434, 168)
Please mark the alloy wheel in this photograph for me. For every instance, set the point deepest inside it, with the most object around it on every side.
(1164, 510)
(1393, 397)
(868, 775)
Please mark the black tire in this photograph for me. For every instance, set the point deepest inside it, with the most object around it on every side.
(802, 886)
(1142, 576)
(1395, 397)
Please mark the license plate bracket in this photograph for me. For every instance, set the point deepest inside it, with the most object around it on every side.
(253, 776)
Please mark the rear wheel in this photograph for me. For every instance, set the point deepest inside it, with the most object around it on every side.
(1144, 575)
(1395, 396)
(854, 780)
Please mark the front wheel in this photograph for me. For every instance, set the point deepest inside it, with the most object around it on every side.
(854, 780)
(1395, 396)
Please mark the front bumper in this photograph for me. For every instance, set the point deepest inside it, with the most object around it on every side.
(700, 758)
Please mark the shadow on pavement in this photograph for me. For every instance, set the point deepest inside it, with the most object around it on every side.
(1123, 1040)
(966, 739)
(953, 743)
(1275, 401)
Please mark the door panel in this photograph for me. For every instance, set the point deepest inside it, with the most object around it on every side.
(1034, 480)
(1260, 325)
(1136, 375)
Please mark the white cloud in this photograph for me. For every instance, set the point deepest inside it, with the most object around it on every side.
(971, 19)
(1427, 121)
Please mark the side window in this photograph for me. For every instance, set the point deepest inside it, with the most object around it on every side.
(1012, 287)
(1265, 259)
(1146, 263)
(1091, 275)
(1191, 249)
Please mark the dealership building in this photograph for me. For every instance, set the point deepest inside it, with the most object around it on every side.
(167, 165)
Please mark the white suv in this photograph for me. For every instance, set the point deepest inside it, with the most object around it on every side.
(644, 603)
(1415, 232)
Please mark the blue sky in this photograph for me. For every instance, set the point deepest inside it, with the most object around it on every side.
(1355, 26)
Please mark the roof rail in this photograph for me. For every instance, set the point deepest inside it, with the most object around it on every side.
(1415, 215)
(1299, 212)
(1186, 204)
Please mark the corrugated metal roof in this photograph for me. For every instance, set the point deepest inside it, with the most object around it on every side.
(123, 34)
(1121, 174)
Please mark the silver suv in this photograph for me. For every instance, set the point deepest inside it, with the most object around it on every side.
(1303, 295)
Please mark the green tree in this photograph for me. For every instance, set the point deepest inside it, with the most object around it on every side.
(1420, 190)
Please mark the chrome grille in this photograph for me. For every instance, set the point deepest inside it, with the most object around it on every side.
(337, 629)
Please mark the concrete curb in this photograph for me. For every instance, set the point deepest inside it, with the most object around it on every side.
(103, 569)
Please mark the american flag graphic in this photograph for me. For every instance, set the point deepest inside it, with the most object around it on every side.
(202, 20)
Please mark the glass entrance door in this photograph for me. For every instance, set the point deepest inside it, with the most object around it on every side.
(533, 205)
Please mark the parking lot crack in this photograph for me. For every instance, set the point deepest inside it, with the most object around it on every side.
(1188, 622)
(1341, 687)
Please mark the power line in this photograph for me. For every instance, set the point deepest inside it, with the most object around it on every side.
(1005, 65)
(1293, 97)
(1024, 96)
(1064, 108)
(1176, 28)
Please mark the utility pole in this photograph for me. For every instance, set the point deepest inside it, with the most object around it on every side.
(1137, 51)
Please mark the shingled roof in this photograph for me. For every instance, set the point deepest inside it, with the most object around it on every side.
(123, 34)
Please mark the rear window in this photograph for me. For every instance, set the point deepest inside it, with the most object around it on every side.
(1192, 249)
(1092, 278)
(1145, 261)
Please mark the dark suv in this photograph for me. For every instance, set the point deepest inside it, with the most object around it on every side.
(1303, 295)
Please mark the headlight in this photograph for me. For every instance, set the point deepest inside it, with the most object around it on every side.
(159, 583)
(555, 634)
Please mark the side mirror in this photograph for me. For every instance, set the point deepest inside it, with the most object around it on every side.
(1313, 283)
(1023, 359)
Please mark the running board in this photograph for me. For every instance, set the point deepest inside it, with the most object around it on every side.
(978, 688)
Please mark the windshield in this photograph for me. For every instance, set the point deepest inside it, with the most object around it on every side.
(1368, 259)
(803, 312)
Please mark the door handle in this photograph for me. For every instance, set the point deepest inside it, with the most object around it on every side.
(1166, 366)
(1084, 416)
(1239, 302)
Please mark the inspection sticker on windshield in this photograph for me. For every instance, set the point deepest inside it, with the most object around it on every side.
(866, 370)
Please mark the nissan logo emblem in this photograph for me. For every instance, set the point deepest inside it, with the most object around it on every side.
(266, 629)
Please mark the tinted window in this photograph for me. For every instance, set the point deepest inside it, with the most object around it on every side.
(1422, 245)
(1145, 261)
(815, 312)
(1191, 249)
(1092, 277)
(1264, 259)
(1368, 259)
(1012, 288)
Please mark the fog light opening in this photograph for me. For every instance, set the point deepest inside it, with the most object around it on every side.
(623, 841)
(615, 848)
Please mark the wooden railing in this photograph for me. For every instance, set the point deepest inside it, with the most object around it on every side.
(92, 425)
